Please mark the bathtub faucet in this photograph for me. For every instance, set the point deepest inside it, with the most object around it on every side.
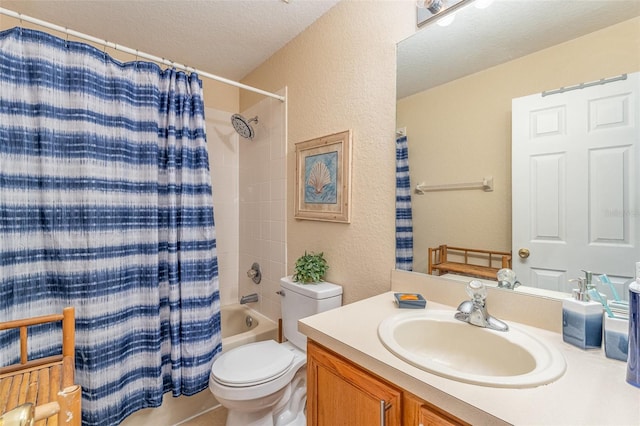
(249, 298)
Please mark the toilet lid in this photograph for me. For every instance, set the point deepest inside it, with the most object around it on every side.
(252, 364)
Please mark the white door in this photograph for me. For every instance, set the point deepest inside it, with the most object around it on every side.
(575, 171)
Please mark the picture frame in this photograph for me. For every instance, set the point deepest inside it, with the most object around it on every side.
(323, 178)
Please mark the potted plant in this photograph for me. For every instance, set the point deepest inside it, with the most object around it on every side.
(310, 268)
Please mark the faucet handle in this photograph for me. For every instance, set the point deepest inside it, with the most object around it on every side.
(477, 291)
(254, 273)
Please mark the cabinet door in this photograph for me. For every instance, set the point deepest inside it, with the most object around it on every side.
(340, 393)
(418, 412)
(430, 417)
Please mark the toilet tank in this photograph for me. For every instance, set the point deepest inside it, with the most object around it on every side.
(302, 300)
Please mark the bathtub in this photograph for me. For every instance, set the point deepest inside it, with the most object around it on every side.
(241, 325)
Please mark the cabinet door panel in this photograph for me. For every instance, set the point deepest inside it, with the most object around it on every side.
(341, 402)
(339, 393)
(429, 417)
(417, 412)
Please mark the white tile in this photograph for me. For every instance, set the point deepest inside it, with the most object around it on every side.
(278, 144)
(247, 213)
(275, 231)
(276, 251)
(261, 202)
(264, 213)
(265, 230)
(274, 171)
(264, 248)
(283, 270)
(274, 211)
(265, 190)
(256, 230)
(261, 163)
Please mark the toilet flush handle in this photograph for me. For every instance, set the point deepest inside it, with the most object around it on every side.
(280, 292)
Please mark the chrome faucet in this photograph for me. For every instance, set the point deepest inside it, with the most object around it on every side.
(254, 273)
(250, 298)
(507, 279)
(474, 311)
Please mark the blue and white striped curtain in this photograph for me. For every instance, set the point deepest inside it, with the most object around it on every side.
(404, 223)
(106, 205)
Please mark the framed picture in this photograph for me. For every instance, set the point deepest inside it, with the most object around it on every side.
(323, 178)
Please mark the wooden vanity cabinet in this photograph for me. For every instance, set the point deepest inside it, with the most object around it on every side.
(340, 392)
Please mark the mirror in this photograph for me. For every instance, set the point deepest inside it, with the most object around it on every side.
(455, 88)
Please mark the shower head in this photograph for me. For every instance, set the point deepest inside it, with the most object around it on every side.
(243, 126)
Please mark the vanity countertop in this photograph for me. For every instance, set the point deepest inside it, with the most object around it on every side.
(593, 390)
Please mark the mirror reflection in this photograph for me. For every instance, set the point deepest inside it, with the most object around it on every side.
(456, 85)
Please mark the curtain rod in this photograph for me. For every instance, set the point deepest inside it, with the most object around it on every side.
(135, 52)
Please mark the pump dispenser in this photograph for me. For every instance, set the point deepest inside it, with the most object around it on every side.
(582, 318)
(633, 360)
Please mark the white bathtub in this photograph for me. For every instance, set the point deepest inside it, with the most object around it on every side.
(235, 328)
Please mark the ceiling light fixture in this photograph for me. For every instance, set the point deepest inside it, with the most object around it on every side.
(433, 6)
(442, 11)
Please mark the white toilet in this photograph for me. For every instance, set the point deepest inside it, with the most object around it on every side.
(264, 383)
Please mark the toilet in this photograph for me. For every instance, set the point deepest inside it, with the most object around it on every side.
(265, 383)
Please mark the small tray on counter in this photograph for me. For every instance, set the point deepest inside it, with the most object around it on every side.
(410, 300)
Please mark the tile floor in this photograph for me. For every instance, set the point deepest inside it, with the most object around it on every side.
(216, 417)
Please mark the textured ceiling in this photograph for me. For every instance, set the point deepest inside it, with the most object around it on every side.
(229, 38)
(508, 29)
(232, 37)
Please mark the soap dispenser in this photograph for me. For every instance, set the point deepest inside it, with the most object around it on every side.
(582, 318)
(633, 359)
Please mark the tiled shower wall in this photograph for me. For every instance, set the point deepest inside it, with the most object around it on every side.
(262, 190)
(222, 142)
(249, 197)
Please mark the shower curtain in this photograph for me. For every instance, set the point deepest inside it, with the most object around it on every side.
(404, 224)
(106, 205)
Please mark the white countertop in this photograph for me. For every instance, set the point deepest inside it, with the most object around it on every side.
(592, 391)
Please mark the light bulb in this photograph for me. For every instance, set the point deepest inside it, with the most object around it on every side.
(483, 4)
(447, 20)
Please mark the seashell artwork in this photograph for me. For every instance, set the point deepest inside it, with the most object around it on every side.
(323, 178)
(319, 177)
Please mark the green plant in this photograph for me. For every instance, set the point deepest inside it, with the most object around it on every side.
(310, 268)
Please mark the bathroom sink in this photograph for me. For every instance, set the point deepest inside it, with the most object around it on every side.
(436, 342)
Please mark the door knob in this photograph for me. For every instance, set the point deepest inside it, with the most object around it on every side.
(523, 253)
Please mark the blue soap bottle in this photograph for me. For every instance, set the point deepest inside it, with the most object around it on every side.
(633, 358)
(582, 318)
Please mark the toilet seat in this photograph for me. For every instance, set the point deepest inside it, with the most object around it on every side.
(275, 384)
(252, 364)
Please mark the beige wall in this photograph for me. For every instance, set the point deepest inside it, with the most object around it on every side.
(461, 131)
(340, 75)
